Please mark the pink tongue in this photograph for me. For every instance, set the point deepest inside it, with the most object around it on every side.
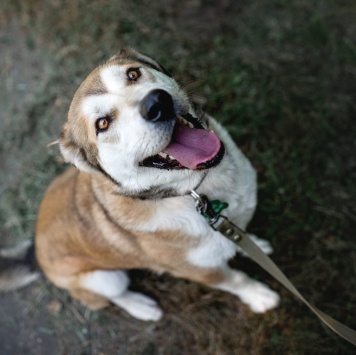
(192, 147)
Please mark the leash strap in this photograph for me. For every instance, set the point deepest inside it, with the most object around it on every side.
(241, 238)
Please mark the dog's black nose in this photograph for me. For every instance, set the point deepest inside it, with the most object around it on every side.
(157, 106)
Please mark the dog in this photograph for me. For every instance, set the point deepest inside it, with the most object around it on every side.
(139, 147)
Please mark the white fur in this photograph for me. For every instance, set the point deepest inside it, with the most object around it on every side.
(113, 78)
(233, 181)
(139, 306)
(113, 285)
(137, 138)
(105, 283)
(258, 296)
(97, 106)
(212, 252)
(129, 140)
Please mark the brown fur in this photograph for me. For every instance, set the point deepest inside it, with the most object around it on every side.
(78, 231)
(84, 224)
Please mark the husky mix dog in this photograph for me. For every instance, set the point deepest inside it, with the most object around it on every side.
(138, 148)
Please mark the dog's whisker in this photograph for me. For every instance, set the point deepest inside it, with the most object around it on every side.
(190, 85)
(57, 141)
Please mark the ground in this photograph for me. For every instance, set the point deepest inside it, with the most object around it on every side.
(281, 75)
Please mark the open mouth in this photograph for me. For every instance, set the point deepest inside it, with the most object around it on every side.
(192, 147)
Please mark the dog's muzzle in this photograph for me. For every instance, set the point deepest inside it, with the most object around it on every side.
(157, 106)
(191, 146)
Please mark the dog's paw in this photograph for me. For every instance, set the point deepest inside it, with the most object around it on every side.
(263, 244)
(259, 297)
(139, 306)
(145, 308)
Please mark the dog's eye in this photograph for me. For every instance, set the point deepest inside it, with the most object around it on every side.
(133, 74)
(102, 124)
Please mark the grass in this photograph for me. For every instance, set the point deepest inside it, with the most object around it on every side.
(281, 76)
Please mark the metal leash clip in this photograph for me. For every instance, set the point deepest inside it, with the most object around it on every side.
(204, 207)
(211, 211)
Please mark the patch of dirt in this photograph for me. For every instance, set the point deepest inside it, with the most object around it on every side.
(22, 69)
(23, 328)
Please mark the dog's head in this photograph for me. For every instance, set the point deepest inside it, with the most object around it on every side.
(130, 121)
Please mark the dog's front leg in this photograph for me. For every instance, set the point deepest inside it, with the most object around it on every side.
(258, 296)
(112, 285)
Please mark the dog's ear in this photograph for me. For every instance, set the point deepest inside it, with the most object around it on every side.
(123, 53)
(128, 53)
(74, 154)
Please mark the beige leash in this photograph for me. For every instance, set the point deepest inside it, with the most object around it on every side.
(241, 238)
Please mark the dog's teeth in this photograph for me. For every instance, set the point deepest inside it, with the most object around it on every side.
(185, 122)
(165, 155)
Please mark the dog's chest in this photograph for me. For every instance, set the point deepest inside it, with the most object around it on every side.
(204, 247)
